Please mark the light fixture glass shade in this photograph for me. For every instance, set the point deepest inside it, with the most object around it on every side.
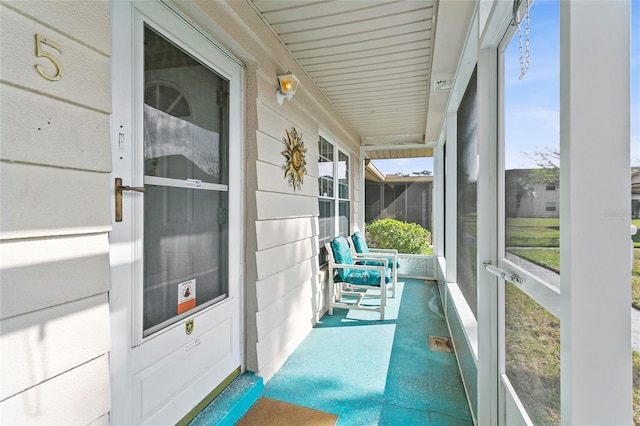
(287, 86)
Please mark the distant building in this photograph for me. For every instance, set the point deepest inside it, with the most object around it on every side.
(526, 198)
(635, 192)
(405, 198)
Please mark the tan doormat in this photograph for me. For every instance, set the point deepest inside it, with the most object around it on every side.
(269, 411)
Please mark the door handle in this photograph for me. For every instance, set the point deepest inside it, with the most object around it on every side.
(119, 188)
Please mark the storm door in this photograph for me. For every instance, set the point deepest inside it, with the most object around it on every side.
(176, 278)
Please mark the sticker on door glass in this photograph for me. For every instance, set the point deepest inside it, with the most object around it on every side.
(193, 183)
(186, 295)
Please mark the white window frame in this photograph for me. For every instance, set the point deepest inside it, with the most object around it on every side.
(337, 150)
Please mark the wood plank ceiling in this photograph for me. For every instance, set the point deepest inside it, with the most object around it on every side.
(372, 59)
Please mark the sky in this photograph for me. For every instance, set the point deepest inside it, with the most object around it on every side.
(404, 165)
(532, 107)
(532, 104)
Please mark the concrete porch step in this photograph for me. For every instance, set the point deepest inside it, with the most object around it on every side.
(232, 403)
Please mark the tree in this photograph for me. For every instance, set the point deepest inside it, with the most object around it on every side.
(548, 162)
(422, 173)
(520, 189)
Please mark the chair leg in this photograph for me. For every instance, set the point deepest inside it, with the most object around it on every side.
(383, 297)
(394, 279)
(331, 295)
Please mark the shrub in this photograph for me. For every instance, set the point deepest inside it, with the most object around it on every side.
(409, 238)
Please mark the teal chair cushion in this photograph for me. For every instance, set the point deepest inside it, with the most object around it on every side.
(366, 277)
(360, 243)
(342, 254)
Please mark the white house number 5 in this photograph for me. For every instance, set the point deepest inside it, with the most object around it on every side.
(42, 54)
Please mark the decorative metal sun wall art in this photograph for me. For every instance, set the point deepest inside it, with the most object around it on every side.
(296, 165)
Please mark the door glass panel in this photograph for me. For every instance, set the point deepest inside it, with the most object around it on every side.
(185, 221)
(183, 252)
(185, 115)
(532, 356)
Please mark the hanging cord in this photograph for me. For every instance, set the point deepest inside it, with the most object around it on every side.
(523, 46)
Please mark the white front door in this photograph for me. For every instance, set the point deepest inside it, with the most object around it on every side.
(175, 246)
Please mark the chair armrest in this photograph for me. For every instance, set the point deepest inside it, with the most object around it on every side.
(377, 256)
(356, 266)
(364, 257)
(377, 250)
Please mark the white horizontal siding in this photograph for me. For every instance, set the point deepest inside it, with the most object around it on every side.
(274, 348)
(79, 396)
(294, 303)
(278, 285)
(281, 231)
(39, 273)
(274, 124)
(86, 71)
(272, 178)
(270, 149)
(101, 421)
(88, 18)
(286, 232)
(48, 201)
(45, 130)
(280, 206)
(55, 213)
(43, 344)
(278, 259)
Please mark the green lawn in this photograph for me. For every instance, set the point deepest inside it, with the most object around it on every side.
(550, 258)
(533, 232)
(636, 238)
(635, 279)
(636, 388)
(532, 346)
(532, 334)
(546, 257)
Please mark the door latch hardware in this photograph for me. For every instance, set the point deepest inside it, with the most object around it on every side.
(512, 278)
(119, 188)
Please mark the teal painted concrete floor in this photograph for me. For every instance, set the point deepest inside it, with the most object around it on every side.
(372, 372)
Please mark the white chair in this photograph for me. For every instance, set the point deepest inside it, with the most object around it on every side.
(360, 248)
(348, 278)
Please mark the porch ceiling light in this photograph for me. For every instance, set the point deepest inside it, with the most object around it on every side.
(287, 86)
